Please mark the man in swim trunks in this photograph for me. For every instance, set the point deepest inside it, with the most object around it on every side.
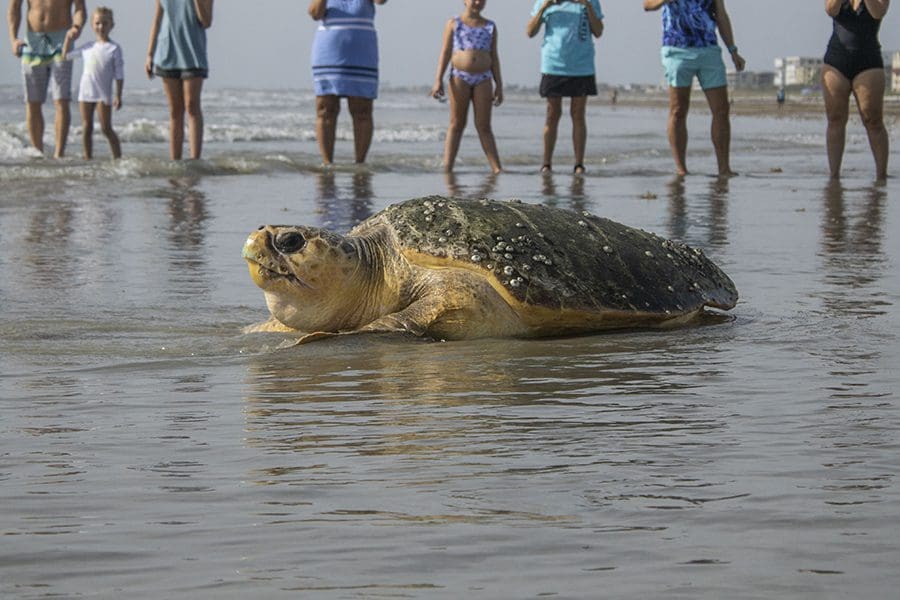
(47, 23)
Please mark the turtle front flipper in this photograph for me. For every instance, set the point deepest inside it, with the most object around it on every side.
(415, 319)
(273, 325)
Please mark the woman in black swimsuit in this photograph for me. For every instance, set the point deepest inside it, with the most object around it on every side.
(853, 63)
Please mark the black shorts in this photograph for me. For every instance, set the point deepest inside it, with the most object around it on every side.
(556, 86)
(180, 73)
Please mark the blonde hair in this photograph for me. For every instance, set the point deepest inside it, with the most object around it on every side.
(105, 11)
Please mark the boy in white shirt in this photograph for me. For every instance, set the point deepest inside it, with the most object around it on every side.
(103, 65)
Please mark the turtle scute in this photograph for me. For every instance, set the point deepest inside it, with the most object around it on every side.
(556, 258)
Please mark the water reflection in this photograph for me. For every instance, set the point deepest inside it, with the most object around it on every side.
(383, 395)
(484, 190)
(696, 229)
(340, 208)
(47, 251)
(187, 252)
(852, 234)
(574, 200)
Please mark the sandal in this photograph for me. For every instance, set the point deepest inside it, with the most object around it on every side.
(579, 169)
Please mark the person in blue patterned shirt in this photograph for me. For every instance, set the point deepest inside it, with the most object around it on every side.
(690, 49)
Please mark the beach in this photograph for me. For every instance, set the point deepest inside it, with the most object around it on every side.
(150, 449)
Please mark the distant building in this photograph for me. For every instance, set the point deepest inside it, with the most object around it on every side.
(895, 72)
(800, 71)
(750, 80)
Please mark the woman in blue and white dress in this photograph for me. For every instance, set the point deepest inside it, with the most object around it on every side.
(344, 65)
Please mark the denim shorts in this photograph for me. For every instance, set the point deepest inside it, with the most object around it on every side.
(683, 64)
(180, 73)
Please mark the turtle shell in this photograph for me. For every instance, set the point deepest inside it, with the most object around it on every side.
(555, 258)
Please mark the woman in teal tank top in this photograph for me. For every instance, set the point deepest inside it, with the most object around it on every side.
(177, 53)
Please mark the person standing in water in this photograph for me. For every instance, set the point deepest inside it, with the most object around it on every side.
(47, 25)
(690, 48)
(470, 47)
(567, 67)
(177, 54)
(104, 68)
(344, 65)
(853, 64)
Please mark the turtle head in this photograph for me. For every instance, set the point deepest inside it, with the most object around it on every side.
(312, 278)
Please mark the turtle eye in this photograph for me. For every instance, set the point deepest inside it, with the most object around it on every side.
(289, 242)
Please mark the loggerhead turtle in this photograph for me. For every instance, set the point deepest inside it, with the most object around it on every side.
(449, 268)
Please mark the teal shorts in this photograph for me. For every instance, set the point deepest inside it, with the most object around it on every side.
(683, 64)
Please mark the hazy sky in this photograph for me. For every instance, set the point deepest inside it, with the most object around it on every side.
(266, 43)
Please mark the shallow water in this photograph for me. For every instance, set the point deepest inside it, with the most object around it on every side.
(148, 449)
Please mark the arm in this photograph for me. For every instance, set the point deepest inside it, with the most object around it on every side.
(317, 9)
(437, 90)
(14, 20)
(74, 32)
(495, 67)
(595, 21)
(654, 4)
(119, 75)
(534, 24)
(204, 9)
(723, 22)
(833, 7)
(154, 33)
(877, 8)
(79, 16)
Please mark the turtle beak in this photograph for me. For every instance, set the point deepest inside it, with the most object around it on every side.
(254, 244)
(258, 256)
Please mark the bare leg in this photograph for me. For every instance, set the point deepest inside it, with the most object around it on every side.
(175, 94)
(327, 110)
(34, 118)
(679, 103)
(551, 127)
(577, 110)
(87, 128)
(482, 105)
(104, 111)
(868, 87)
(836, 91)
(62, 122)
(193, 89)
(460, 96)
(720, 129)
(363, 126)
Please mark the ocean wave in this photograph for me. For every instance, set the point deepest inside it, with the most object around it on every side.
(14, 146)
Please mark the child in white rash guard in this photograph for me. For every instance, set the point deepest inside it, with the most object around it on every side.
(103, 70)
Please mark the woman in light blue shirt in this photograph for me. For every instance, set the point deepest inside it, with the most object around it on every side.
(177, 53)
(567, 66)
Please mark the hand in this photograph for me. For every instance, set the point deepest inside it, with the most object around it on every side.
(117, 103)
(498, 95)
(73, 33)
(437, 92)
(148, 67)
(739, 61)
(17, 46)
(68, 43)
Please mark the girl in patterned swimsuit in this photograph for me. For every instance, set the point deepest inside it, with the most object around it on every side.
(470, 49)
